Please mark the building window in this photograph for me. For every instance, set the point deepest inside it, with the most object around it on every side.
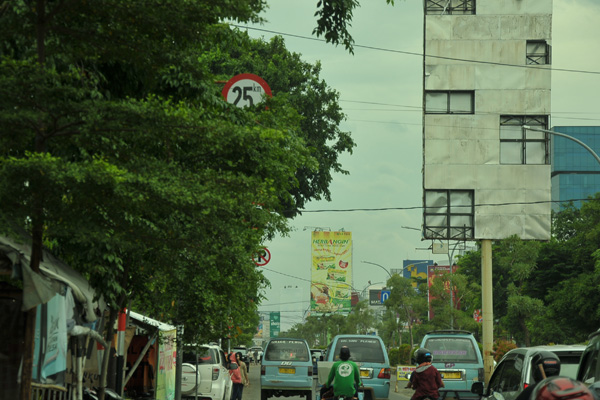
(457, 7)
(449, 214)
(449, 102)
(520, 146)
(538, 52)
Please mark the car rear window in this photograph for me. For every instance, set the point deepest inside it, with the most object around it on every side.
(200, 355)
(451, 349)
(362, 350)
(569, 365)
(286, 350)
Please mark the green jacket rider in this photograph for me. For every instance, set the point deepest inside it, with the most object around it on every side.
(345, 375)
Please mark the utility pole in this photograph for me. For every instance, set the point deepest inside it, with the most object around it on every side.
(487, 308)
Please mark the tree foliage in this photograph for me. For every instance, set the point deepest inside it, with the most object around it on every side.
(119, 153)
(303, 89)
(319, 330)
(334, 19)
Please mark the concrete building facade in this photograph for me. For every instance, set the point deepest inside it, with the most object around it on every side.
(486, 74)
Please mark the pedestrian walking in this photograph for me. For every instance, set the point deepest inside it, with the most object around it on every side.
(239, 376)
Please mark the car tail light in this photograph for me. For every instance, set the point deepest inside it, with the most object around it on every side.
(384, 373)
(481, 375)
(215, 374)
(262, 369)
(525, 385)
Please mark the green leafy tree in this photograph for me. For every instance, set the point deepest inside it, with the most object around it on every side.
(361, 320)
(519, 258)
(334, 18)
(405, 303)
(128, 164)
(455, 312)
(572, 303)
(303, 89)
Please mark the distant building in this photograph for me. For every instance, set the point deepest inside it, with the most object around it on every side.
(575, 172)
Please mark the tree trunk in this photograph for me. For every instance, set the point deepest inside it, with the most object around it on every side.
(36, 258)
(409, 318)
(110, 332)
(525, 331)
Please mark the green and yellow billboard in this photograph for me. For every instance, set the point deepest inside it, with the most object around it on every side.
(331, 272)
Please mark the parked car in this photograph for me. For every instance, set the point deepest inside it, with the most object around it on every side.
(514, 372)
(457, 356)
(368, 351)
(205, 373)
(286, 369)
(316, 355)
(588, 370)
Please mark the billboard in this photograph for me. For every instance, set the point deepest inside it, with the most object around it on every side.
(331, 272)
(167, 358)
(375, 297)
(415, 270)
(274, 324)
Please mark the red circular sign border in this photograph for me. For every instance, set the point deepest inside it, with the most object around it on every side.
(262, 265)
(252, 77)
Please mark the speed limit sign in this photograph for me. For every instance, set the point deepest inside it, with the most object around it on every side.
(245, 90)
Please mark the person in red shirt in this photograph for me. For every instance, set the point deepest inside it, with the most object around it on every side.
(236, 377)
(426, 380)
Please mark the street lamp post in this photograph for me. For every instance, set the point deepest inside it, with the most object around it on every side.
(588, 148)
(380, 266)
(362, 292)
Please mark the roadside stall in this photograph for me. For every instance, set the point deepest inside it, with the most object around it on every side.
(67, 317)
(151, 358)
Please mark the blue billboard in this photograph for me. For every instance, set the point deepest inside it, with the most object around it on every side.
(416, 269)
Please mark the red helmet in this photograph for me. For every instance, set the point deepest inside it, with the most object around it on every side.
(561, 388)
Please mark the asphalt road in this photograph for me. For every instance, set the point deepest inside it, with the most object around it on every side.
(252, 392)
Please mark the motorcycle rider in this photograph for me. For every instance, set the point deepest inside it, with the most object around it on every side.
(426, 379)
(544, 364)
(345, 376)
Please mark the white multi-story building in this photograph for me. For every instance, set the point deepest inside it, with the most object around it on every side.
(486, 74)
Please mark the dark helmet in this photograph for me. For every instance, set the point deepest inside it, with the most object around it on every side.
(546, 360)
(561, 388)
(423, 355)
(344, 353)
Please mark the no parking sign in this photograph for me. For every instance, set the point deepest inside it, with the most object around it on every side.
(262, 258)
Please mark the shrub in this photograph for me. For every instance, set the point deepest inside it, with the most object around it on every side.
(501, 347)
(400, 355)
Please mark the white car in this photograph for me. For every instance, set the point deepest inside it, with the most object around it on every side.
(205, 373)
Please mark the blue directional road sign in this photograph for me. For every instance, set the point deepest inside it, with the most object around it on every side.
(385, 294)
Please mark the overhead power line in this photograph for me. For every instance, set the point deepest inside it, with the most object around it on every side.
(421, 207)
(411, 53)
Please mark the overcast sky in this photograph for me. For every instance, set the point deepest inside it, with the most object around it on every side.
(380, 90)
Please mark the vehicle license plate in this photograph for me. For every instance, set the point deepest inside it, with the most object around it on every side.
(287, 370)
(364, 373)
(451, 375)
